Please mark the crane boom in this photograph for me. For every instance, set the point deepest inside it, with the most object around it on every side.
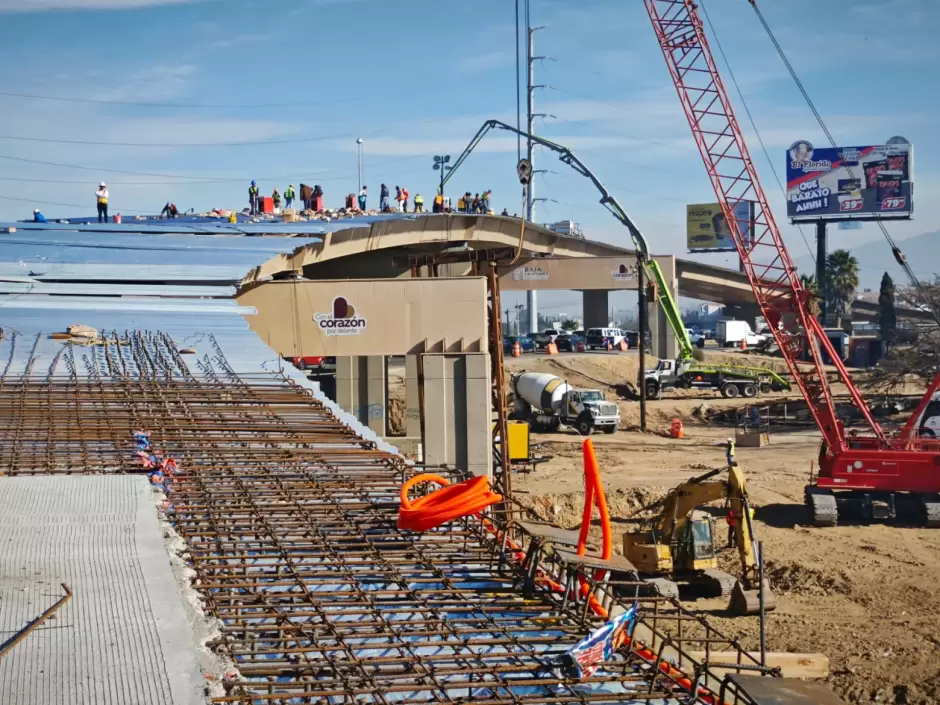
(772, 275)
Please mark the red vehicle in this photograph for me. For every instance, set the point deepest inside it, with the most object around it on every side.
(867, 475)
(311, 362)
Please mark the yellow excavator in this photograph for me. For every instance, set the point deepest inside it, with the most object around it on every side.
(677, 547)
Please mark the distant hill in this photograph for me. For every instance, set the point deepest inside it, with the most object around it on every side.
(875, 258)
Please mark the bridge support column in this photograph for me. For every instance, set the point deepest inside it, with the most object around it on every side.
(457, 412)
(362, 389)
(595, 309)
(665, 345)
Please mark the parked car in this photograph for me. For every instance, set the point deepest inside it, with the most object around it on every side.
(547, 336)
(602, 337)
(568, 342)
(525, 343)
(312, 362)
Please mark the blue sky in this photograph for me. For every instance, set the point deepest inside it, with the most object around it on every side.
(417, 79)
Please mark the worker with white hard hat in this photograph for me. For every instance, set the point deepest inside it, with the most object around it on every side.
(101, 197)
(38, 217)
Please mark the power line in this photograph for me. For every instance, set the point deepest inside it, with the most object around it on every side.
(209, 145)
(146, 104)
(750, 117)
(45, 203)
(899, 256)
(189, 179)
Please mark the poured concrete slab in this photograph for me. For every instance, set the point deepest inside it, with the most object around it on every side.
(124, 638)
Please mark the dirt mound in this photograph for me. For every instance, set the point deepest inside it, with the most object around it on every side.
(797, 579)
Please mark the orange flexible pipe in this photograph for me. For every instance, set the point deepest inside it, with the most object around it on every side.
(445, 504)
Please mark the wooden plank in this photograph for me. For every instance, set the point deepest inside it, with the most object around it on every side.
(803, 665)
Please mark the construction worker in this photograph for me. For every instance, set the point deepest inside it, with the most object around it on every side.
(404, 199)
(383, 198)
(253, 194)
(732, 522)
(461, 204)
(505, 213)
(486, 200)
(419, 203)
(289, 196)
(475, 207)
(363, 195)
(276, 197)
(729, 452)
(438, 203)
(101, 199)
(169, 211)
(38, 217)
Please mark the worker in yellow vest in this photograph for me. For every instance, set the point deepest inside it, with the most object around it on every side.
(101, 198)
(289, 196)
(461, 205)
(438, 203)
(419, 203)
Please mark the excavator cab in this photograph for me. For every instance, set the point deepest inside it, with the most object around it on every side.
(695, 544)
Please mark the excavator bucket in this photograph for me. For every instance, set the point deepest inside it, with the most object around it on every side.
(744, 601)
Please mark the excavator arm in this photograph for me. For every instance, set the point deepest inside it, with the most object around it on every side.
(682, 501)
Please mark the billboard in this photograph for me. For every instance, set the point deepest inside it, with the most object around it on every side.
(839, 183)
(708, 231)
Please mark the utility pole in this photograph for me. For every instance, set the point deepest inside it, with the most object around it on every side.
(531, 296)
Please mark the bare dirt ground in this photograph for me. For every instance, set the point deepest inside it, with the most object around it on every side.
(864, 595)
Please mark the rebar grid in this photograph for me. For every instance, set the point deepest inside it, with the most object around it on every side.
(289, 523)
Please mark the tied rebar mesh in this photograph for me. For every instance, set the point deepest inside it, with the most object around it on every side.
(289, 522)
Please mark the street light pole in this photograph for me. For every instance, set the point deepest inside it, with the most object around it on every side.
(440, 164)
(359, 150)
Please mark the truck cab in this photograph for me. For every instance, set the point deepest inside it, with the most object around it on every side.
(928, 425)
(586, 409)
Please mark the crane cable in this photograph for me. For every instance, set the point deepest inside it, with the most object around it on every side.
(750, 117)
(899, 256)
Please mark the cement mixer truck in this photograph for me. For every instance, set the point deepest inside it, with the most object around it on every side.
(548, 402)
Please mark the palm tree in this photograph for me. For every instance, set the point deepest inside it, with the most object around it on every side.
(808, 282)
(842, 273)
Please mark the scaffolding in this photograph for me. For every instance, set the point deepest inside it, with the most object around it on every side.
(289, 523)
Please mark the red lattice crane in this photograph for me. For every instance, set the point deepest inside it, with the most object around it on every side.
(871, 472)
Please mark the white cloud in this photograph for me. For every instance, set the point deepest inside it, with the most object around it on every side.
(46, 5)
(154, 84)
(485, 62)
(241, 39)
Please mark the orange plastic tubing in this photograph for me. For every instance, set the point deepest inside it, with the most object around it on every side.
(445, 504)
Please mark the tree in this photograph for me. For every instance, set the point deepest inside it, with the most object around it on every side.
(808, 281)
(569, 324)
(887, 316)
(842, 275)
(916, 348)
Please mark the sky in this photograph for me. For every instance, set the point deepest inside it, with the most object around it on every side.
(194, 98)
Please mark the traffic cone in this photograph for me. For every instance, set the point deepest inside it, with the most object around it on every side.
(744, 343)
(609, 346)
(675, 429)
(624, 346)
(551, 349)
(516, 349)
